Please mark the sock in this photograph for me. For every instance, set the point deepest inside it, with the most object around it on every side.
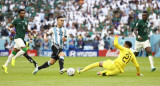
(45, 65)
(61, 62)
(151, 61)
(90, 66)
(21, 52)
(28, 57)
(8, 60)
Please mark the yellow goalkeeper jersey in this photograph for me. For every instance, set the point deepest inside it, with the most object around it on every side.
(125, 56)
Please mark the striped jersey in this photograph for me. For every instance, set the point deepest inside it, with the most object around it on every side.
(57, 35)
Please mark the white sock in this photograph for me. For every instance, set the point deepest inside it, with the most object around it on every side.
(151, 61)
(21, 52)
(8, 60)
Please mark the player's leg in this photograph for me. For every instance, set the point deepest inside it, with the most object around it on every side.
(93, 65)
(30, 59)
(112, 72)
(13, 53)
(147, 48)
(45, 65)
(138, 47)
(61, 56)
(111, 68)
(20, 43)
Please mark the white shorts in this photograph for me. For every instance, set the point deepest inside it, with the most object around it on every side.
(140, 45)
(19, 43)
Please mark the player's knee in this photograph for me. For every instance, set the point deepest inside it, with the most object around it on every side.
(24, 49)
(148, 51)
(61, 54)
(101, 64)
(51, 62)
(14, 52)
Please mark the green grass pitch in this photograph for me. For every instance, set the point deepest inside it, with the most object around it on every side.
(21, 74)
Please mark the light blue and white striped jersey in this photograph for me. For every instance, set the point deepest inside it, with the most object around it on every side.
(57, 35)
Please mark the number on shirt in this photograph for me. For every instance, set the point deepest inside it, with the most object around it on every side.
(127, 58)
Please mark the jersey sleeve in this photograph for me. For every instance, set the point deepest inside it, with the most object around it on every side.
(14, 22)
(117, 45)
(50, 31)
(136, 64)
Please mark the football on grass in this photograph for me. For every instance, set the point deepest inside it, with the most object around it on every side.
(70, 71)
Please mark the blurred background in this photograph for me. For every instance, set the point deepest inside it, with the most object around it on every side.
(91, 24)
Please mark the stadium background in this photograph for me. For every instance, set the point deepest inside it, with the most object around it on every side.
(91, 24)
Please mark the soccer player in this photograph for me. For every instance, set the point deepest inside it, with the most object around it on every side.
(59, 35)
(21, 28)
(142, 40)
(11, 36)
(117, 66)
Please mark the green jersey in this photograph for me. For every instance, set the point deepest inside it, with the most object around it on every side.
(142, 27)
(20, 26)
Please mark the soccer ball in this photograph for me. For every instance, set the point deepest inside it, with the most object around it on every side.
(70, 71)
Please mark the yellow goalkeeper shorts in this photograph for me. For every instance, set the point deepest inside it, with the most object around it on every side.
(111, 68)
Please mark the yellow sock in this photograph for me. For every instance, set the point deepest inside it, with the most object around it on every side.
(90, 66)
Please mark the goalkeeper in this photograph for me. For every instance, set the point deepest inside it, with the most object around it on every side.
(117, 66)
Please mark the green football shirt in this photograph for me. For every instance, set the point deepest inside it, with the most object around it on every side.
(142, 27)
(20, 26)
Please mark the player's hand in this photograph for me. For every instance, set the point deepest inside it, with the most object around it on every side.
(34, 31)
(45, 39)
(12, 31)
(64, 39)
(99, 73)
(31, 41)
(140, 38)
(139, 74)
(117, 36)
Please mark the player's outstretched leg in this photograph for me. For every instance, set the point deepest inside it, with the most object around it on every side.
(45, 65)
(88, 67)
(30, 59)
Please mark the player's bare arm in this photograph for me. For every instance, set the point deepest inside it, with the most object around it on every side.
(30, 30)
(45, 37)
(30, 36)
(64, 39)
(9, 29)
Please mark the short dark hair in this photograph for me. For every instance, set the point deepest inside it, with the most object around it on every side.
(59, 17)
(128, 43)
(145, 12)
(19, 11)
